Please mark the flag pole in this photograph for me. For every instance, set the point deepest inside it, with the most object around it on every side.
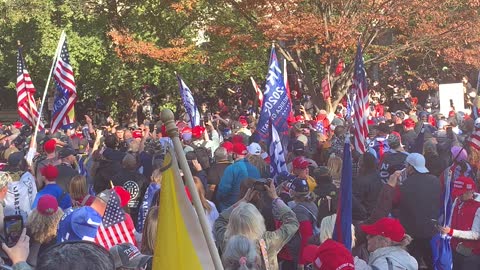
(172, 131)
(33, 143)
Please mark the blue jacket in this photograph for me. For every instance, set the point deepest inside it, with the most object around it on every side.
(63, 198)
(229, 187)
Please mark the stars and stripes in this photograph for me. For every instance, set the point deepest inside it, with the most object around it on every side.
(66, 96)
(27, 108)
(359, 102)
(116, 227)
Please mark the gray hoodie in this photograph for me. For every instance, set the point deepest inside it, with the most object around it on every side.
(399, 258)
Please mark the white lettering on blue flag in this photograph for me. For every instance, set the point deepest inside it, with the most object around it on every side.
(276, 105)
(277, 156)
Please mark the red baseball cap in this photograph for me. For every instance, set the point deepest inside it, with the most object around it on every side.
(330, 255)
(197, 132)
(243, 122)
(49, 146)
(18, 125)
(239, 149)
(300, 163)
(50, 172)
(237, 139)
(386, 227)
(462, 185)
(47, 205)
(228, 145)
(299, 118)
(409, 123)
(137, 134)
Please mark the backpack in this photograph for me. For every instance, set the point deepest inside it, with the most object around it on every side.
(315, 223)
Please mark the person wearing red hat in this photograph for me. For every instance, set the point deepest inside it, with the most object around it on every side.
(50, 174)
(387, 242)
(51, 159)
(409, 135)
(330, 255)
(42, 226)
(465, 225)
(300, 169)
(229, 186)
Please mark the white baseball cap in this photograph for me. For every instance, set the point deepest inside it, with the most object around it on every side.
(417, 161)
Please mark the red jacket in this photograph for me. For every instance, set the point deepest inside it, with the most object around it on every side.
(462, 219)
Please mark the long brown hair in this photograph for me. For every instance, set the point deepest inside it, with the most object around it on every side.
(149, 234)
(78, 187)
(201, 194)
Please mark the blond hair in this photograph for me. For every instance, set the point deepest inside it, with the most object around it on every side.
(246, 220)
(334, 165)
(43, 228)
(259, 163)
(201, 194)
(149, 234)
(78, 187)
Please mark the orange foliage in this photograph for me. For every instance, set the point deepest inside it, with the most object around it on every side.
(184, 6)
(129, 49)
(447, 27)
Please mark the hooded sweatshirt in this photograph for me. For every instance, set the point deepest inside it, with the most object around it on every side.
(398, 257)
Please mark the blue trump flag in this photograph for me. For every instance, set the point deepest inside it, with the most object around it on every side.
(276, 105)
(343, 224)
(189, 103)
(277, 155)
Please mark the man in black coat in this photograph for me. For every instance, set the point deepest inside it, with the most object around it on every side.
(419, 204)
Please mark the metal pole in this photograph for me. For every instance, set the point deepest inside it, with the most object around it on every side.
(168, 118)
(33, 143)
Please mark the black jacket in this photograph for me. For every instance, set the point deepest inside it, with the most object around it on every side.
(366, 189)
(419, 204)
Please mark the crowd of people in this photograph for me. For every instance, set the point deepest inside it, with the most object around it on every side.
(86, 180)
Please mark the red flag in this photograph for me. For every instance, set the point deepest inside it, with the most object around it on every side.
(27, 108)
(325, 88)
(117, 227)
(339, 68)
(258, 91)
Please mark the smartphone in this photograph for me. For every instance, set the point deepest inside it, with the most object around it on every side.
(259, 186)
(13, 226)
(435, 222)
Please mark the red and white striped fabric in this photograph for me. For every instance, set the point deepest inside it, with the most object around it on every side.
(360, 102)
(258, 91)
(27, 108)
(474, 141)
(122, 232)
(66, 96)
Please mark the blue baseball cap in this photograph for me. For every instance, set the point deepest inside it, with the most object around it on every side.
(79, 224)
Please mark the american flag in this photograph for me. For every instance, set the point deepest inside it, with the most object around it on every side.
(117, 227)
(359, 102)
(63, 108)
(27, 108)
